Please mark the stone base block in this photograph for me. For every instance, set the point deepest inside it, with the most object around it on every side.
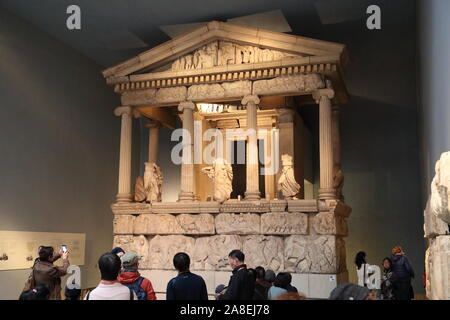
(265, 251)
(315, 286)
(238, 223)
(314, 254)
(329, 223)
(164, 223)
(284, 223)
(123, 224)
(211, 253)
(437, 266)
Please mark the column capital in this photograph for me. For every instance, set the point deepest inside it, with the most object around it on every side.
(318, 94)
(250, 98)
(123, 110)
(186, 105)
(151, 123)
(286, 115)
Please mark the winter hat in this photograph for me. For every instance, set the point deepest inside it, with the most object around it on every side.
(116, 250)
(129, 259)
(349, 291)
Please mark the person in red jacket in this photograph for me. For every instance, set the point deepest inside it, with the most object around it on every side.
(131, 278)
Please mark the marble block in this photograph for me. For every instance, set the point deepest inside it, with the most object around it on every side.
(163, 248)
(123, 224)
(313, 254)
(265, 251)
(284, 223)
(170, 224)
(437, 267)
(288, 84)
(211, 253)
(329, 223)
(240, 223)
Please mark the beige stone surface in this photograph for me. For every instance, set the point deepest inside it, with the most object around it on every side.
(288, 84)
(164, 223)
(125, 242)
(163, 248)
(211, 253)
(196, 224)
(123, 224)
(437, 267)
(235, 89)
(311, 254)
(265, 251)
(284, 223)
(328, 223)
(240, 223)
(437, 212)
(154, 96)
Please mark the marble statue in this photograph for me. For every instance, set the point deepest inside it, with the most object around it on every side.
(440, 189)
(139, 190)
(152, 182)
(286, 183)
(222, 175)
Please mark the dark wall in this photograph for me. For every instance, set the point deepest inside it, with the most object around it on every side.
(59, 144)
(379, 136)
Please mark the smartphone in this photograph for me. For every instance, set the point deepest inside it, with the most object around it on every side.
(64, 248)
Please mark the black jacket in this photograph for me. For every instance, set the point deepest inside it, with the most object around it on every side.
(241, 285)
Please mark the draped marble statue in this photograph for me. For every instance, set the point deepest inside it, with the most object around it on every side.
(286, 183)
(221, 173)
(149, 188)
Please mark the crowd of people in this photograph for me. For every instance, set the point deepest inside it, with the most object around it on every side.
(121, 280)
(395, 277)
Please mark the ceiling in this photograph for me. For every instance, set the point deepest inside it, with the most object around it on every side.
(115, 30)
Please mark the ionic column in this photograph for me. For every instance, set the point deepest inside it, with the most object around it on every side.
(323, 98)
(336, 135)
(252, 190)
(153, 140)
(124, 190)
(187, 165)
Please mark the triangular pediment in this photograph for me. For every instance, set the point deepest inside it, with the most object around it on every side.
(220, 44)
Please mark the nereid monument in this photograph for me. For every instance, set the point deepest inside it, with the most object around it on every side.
(231, 77)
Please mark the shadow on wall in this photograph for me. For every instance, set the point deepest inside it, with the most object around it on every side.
(382, 182)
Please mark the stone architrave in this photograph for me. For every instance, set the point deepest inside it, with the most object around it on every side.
(265, 251)
(329, 223)
(234, 89)
(163, 96)
(284, 223)
(123, 224)
(163, 248)
(211, 253)
(288, 84)
(238, 223)
(312, 254)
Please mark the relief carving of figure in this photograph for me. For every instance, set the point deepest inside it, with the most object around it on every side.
(286, 183)
(440, 189)
(221, 173)
(152, 182)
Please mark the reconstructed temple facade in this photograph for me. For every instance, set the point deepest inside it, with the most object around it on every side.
(244, 86)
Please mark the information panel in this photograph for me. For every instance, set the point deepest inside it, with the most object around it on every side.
(18, 249)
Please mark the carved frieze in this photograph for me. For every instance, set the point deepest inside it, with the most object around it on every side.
(222, 53)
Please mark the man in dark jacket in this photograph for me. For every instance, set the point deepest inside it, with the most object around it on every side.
(242, 284)
(187, 285)
(44, 272)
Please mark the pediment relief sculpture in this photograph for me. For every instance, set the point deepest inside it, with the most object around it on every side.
(222, 53)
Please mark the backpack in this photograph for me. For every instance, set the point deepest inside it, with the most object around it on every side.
(136, 287)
